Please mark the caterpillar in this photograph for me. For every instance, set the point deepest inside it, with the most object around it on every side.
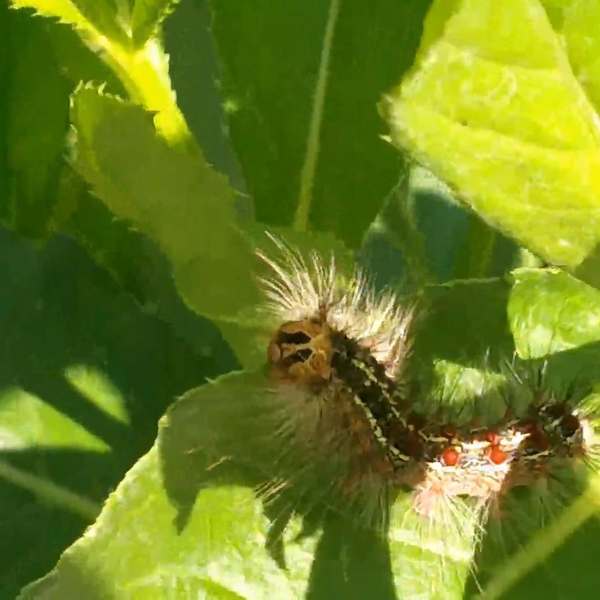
(340, 360)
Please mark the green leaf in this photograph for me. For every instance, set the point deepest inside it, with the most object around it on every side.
(77, 60)
(45, 65)
(537, 331)
(37, 105)
(143, 71)
(305, 127)
(188, 209)
(210, 534)
(576, 23)
(92, 18)
(185, 520)
(493, 107)
(84, 377)
(175, 199)
(147, 16)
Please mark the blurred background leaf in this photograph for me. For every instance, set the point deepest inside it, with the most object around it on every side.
(84, 377)
(270, 56)
(37, 117)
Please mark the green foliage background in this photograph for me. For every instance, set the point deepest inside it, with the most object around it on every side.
(146, 146)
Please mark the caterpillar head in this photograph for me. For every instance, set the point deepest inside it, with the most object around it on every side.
(301, 352)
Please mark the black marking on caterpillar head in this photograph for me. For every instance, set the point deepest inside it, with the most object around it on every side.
(300, 352)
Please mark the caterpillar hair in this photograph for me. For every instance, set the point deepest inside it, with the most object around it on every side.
(349, 434)
(314, 290)
(337, 364)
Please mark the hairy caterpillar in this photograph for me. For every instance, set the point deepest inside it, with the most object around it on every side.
(340, 362)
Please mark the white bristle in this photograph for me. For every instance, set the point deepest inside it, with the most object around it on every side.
(300, 289)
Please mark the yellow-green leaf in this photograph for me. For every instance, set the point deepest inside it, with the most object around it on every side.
(91, 17)
(494, 107)
(147, 16)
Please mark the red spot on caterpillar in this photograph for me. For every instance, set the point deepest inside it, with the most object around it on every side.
(497, 456)
(450, 457)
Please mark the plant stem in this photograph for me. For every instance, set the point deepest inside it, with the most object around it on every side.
(143, 71)
(307, 175)
(50, 492)
(145, 75)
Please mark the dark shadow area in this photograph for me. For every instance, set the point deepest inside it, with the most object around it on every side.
(141, 269)
(464, 323)
(194, 71)
(58, 311)
(34, 532)
(444, 226)
(589, 269)
(570, 572)
(351, 563)
(441, 236)
(575, 366)
(562, 574)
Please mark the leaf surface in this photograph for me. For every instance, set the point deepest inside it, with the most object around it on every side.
(91, 18)
(84, 377)
(300, 82)
(147, 16)
(496, 109)
(189, 210)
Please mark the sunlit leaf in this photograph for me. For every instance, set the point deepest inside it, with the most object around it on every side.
(188, 209)
(92, 18)
(173, 198)
(146, 17)
(494, 109)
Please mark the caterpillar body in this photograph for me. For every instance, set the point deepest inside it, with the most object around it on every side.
(346, 354)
